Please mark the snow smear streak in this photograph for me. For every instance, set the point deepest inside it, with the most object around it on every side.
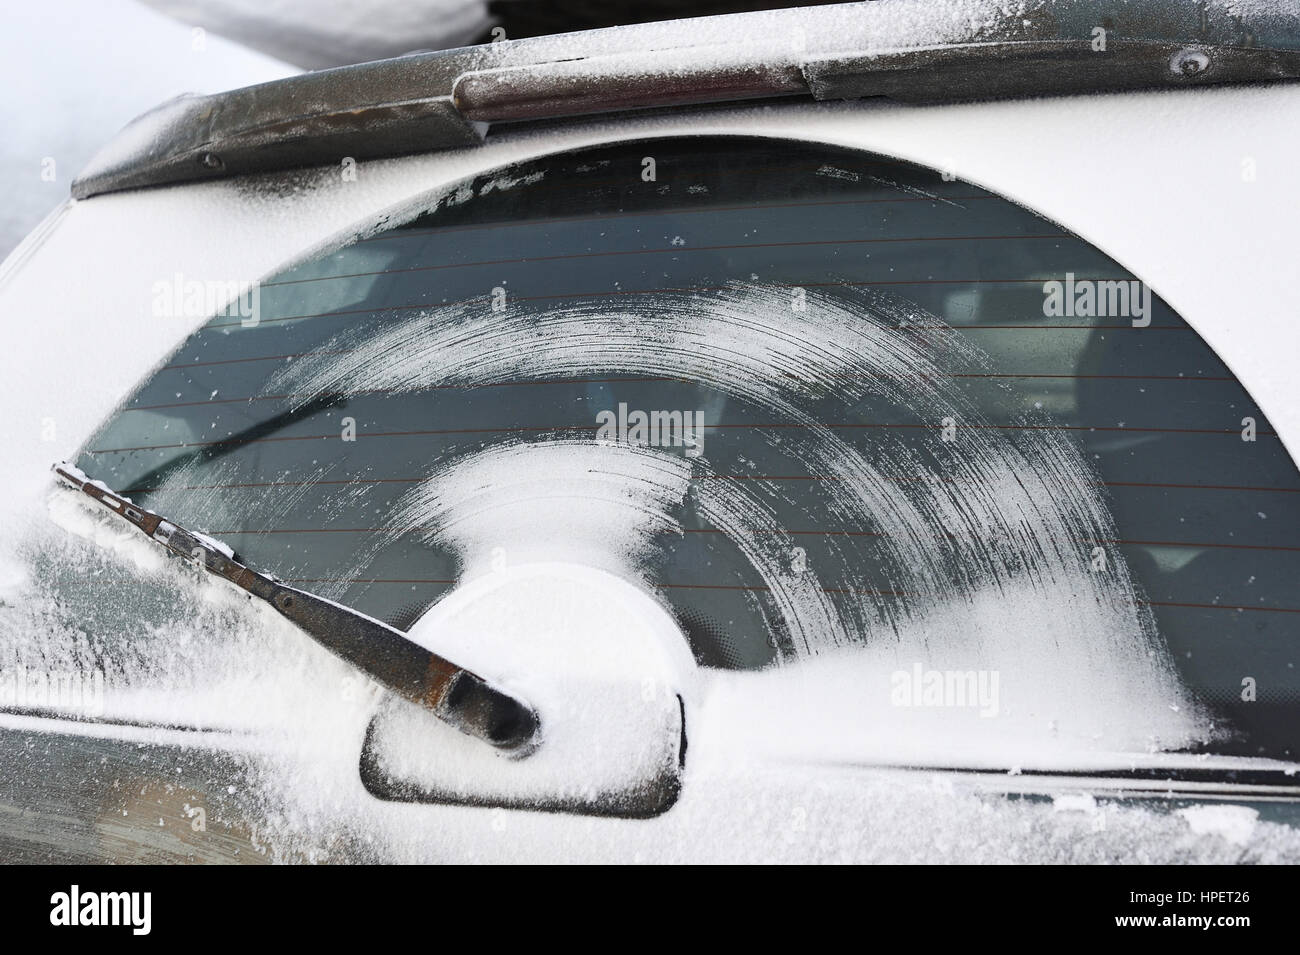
(982, 545)
(564, 500)
(978, 545)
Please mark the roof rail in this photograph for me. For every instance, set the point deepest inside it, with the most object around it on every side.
(912, 51)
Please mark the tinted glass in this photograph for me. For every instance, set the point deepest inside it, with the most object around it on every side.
(866, 405)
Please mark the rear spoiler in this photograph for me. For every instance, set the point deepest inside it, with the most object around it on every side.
(911, 51)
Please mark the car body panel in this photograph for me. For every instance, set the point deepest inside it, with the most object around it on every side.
(1086, 162)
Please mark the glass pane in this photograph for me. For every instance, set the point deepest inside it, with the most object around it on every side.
(815, 399)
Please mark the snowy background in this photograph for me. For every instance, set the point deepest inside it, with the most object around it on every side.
(77, 71)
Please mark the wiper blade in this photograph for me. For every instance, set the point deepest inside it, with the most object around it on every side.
(457, 696)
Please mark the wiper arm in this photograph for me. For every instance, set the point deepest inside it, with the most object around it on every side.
(454, 694)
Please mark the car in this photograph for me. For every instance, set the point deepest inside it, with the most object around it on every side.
(859, 432)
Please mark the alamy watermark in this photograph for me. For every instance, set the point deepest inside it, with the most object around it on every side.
(652, 429)
(75, 907)
(946, 688)
(69, 691)
(1098, 298)
(182, 297)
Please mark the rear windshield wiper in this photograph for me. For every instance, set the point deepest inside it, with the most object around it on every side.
(457, 696)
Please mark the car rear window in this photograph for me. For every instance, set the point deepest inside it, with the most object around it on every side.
(815, 399)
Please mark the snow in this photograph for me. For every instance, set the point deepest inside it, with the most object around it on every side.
(186, 636)
(561, 500)
(601, 662)
(295, 717)
(300, 709)
(74, 472)
(1075, 802)
(1115, 205)
(74, 515)
(1081, 654)
(1234, 824)
(220, 546)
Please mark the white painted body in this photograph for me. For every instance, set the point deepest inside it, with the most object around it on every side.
(1161, 182)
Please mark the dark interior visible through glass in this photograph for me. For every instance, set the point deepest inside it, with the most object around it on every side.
(1206, 521)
